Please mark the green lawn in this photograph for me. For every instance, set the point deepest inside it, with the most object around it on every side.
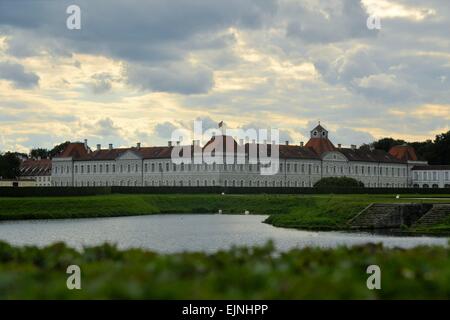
(323, 212)
(239, 273)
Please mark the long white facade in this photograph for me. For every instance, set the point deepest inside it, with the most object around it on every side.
(299, 166)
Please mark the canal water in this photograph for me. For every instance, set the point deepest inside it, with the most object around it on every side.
(188, 232)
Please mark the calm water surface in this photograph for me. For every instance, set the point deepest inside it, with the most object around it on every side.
(175, 233)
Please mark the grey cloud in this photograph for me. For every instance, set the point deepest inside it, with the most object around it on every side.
(106, 127)
(325, 22)
(17, 74)
(165, 129)
(350, 136)
(178, 78)
(102, 82)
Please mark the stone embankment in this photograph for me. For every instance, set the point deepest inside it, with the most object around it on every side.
(391, 216)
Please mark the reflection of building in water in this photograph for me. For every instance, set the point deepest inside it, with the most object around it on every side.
(299, 165)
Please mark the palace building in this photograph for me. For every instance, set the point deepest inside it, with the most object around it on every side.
(299, 165)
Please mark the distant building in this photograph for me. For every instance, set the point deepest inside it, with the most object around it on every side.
(17, 182)
(431, 176)
(299, 166)
(38, 170)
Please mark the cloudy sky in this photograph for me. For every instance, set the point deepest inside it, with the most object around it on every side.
(138, 69)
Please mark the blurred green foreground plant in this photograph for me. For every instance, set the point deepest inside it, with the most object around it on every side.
(238, 273)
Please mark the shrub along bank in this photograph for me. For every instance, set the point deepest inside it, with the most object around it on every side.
(239, 273)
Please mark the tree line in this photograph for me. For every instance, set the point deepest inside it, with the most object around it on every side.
(435, 151)
(10, 161)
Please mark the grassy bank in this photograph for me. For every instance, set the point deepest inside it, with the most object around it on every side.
(322, 212)
(239, 273)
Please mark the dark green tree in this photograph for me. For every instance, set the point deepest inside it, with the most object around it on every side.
(39, 152)
(9, 165)
(58, 149)
(387, 143)
(338, 182)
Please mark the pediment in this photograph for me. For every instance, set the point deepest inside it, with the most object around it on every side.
(129, 155)
(334, 156)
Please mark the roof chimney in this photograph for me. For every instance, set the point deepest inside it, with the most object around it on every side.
(301, 144)
(110, 146)
(353, 146)
(339, 145)
(85, 144)
(169, 143)
(178, 143)
(287, 142)
(138, 145)
(99, 146)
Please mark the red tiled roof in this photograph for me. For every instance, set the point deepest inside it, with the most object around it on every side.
(74, 150)
(226, 143)
(369, 155)
(112, 154)
(320, 145)
(404, 152)
(33, 167)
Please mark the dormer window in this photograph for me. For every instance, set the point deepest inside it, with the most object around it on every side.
(315, 133)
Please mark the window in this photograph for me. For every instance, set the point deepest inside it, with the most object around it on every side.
(146, 167)
(129, 170)
(136, 168)
(94, 168)
(153, 167)
(107, 168)
(113, 168)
